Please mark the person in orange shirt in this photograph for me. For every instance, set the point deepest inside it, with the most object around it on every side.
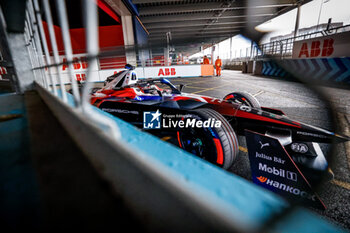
(218, 64)
(206, 60)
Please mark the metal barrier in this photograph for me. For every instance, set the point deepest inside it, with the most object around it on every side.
(282, 49)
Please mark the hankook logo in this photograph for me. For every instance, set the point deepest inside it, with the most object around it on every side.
(286, 188)
(262, 179)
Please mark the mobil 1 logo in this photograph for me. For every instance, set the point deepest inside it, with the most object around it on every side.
(278, 172)
(273, 168)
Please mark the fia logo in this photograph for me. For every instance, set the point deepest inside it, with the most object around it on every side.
(151, 120)
(263, 145)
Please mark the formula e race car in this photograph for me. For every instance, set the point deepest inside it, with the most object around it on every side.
(208, 127)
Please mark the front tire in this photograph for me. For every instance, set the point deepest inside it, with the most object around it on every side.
(244, 98)
(218, 145)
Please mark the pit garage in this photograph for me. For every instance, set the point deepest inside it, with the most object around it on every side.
(169, 116)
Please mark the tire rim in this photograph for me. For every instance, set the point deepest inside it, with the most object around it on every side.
(191, 142)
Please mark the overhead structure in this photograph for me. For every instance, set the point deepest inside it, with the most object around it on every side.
(206, 21)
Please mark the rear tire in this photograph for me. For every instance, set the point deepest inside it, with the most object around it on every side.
(220, 144)
(243, 98)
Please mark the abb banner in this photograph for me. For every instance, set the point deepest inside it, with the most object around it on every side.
(160, 71)
(172, 71)
(327, 46)
(80, 68)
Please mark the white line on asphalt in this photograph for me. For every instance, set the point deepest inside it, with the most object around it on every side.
(258, 93)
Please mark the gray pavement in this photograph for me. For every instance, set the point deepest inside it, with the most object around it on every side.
(302, 104)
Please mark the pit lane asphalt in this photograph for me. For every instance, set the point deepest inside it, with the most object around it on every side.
(299, 103)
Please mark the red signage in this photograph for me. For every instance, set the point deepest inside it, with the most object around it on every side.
(335, 45)
(316, 48)
(78, 63)
(80, 77)
(166, 72)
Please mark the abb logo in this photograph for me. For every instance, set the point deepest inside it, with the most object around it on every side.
(78, 63)
(316, 50)
(80, 77)
(166, 71)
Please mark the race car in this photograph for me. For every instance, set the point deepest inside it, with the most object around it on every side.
(277, 145)
(127, 97)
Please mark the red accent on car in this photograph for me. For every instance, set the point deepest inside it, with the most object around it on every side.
(178, 139)
(220, 153)
(122, 93)
(229, 97)
(176, 98)
(96, 102)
